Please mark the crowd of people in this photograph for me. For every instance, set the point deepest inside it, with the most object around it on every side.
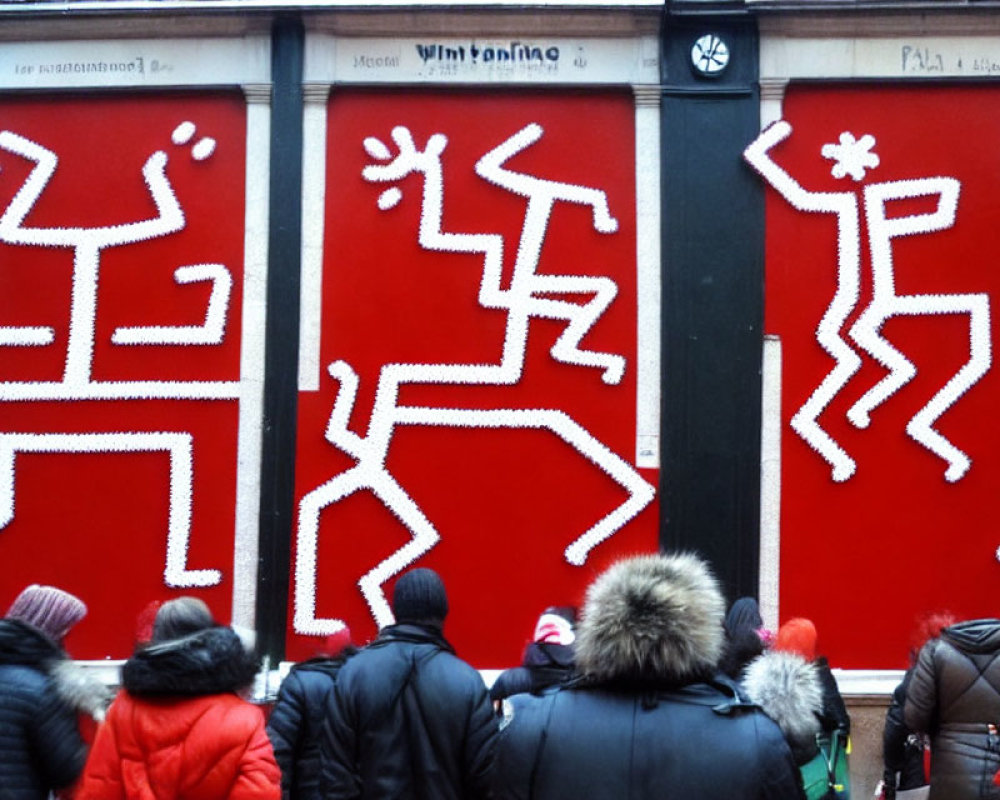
(654, 688)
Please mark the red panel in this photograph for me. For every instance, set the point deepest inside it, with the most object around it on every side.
(96, 523)
(865, 557)
(506, 502)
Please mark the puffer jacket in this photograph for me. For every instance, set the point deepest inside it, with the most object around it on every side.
(295, 724)
(544, 664)
(650, 717)
(178, 730)
(407, 719)
(40, 744)
(954, 695)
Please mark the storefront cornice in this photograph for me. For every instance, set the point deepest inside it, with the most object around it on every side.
(835, 18)
(188, 18)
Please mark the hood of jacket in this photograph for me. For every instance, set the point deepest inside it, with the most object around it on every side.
(209, 661)
(788, 690)
(974, 636)
(652, 619)
(21, 643)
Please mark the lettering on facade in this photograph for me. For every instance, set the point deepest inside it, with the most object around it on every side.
(132, 67)
(924, 60)
(514, 53)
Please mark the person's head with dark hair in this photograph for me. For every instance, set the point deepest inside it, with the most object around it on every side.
(419, 597)
(181, 617)
(745, 636)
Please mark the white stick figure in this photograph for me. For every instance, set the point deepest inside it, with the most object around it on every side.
(523, 302)
(852, 157)
(77, 382)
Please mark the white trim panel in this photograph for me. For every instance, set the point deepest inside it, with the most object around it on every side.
(134, 63)
(541, 60)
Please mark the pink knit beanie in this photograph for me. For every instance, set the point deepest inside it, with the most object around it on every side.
(49, 609)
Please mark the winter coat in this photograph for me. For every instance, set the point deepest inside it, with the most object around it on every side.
(954, 695)
(544, 664)
(295, 723)
(834, 716)
(649, 717)
(407, 719)
(40, 744)
(179, 731)
(902, 749)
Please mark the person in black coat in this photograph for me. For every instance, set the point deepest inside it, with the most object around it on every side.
(651, 716)
(746, 637)
(548, 659)
(297, 717)
(41, 693)
(407, 718)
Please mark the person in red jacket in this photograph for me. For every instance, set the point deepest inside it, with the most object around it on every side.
(179, 727)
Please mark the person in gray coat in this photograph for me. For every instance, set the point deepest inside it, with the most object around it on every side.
(954, 696)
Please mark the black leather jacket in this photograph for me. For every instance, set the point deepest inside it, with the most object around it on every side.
(611, 742)
(407, 719)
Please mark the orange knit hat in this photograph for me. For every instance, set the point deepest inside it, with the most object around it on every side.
(798, 635)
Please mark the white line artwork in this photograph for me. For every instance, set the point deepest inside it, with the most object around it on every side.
(523, 301)
(852, 158)
(177, 445)
(87, 244)
(77, 383)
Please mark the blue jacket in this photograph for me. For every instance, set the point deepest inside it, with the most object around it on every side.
(40, 744)
(295, 724)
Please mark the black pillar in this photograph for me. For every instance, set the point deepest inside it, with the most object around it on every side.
(713, 229)
(282, 337)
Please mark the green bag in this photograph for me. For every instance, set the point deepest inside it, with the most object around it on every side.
(826, 776)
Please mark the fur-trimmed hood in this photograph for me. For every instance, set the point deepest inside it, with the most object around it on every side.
(788, 689)
(652, 619)
(210, 661)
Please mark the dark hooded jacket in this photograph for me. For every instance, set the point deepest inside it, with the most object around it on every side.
(179, 728)
(954, 695)
(40, 744)
(407, 719)
(650, 716)
(296, 721)
(902, 749)
(544, 664)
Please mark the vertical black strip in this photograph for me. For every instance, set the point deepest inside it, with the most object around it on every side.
(713, 228)
(282, 337)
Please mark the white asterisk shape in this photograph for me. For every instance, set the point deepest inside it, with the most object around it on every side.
(852, 156)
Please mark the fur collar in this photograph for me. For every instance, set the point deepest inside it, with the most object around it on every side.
(788, 689)
(211, 661)
(652, 619)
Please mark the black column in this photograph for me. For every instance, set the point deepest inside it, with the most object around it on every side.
(713, 229)
(282, 337)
